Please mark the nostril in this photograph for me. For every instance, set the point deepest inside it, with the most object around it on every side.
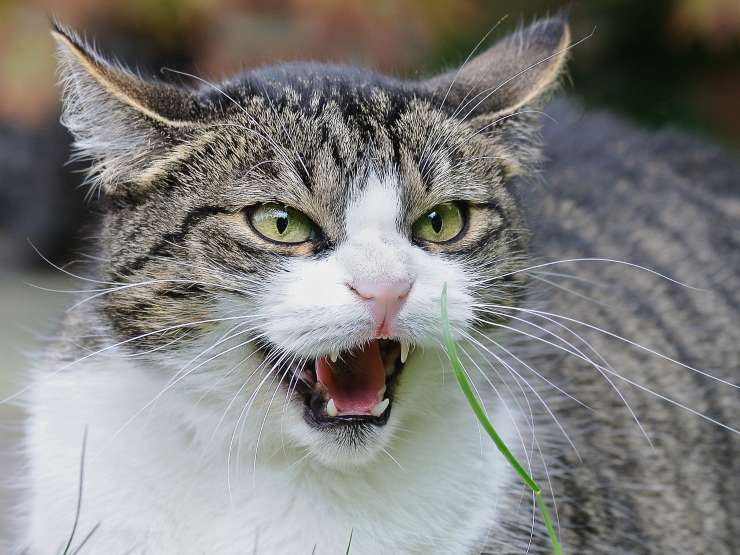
(384, 299)
(358, 292)
(402, 296)
(382, 291)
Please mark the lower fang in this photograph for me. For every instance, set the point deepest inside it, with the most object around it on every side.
(380, 394)
(380, 407)
(331, 408)
(404, 351)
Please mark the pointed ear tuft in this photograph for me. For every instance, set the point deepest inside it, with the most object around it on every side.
(515, 72)
(120, 122)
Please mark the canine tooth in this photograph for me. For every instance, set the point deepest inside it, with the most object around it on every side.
(381, 392)
(331, 408)
(404, 350)
(380, 407)
(334, 356)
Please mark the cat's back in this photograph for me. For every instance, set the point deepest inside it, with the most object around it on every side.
(670, 203)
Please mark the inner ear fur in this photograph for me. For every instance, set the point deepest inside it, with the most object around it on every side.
(516, 71)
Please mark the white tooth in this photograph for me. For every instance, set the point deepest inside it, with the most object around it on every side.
(331, 408)
(334, 356)
(404, 350)
(380, 394)
(380, 407)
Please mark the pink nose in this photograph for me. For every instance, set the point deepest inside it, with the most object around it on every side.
(384, 298)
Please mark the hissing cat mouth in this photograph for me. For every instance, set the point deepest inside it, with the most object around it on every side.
(353, 387)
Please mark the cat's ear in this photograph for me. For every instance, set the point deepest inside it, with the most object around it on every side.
(120, 122)
(500, 91)
(515, 72)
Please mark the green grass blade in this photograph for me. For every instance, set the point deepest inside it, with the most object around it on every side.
(480, 414)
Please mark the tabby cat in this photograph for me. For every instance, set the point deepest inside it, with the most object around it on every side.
(256, 360)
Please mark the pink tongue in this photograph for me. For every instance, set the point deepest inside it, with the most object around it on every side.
(354, 380)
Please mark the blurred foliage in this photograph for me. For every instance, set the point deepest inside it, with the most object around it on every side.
(661, 62)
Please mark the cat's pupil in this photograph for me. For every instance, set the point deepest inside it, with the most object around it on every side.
(281, 222)
(436, 221)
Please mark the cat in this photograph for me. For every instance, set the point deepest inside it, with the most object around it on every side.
(256, 364)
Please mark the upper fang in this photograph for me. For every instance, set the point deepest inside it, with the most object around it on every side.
(404, 350)
(334, 356)
(380, 407)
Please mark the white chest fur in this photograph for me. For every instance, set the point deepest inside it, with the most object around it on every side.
(157, 486)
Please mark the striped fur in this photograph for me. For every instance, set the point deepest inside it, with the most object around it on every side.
(177, 168)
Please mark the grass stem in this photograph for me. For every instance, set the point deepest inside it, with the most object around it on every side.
(462, 380)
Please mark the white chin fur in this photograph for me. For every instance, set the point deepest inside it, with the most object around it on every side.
(154, 481)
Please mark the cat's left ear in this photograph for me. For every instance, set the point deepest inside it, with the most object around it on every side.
(513, 73)
(501, 89)
(122, 123)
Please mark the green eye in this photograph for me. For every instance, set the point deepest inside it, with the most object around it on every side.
(440, 224)
(281, 223)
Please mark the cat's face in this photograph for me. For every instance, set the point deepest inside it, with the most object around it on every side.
(292, 230)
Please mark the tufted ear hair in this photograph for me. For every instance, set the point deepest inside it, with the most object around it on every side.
(501, 90)
(120, 122)
(513, 73)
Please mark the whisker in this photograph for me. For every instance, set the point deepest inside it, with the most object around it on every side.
(391, 457)
(279, 149)
(571, 292)
(639, 386)
(423, 155)
(505, 82)
(536, 393)
(242, 417)
(633, 344)
(118, 344)
(593, 350)
(164, 390)
(535, 372)
(262, 425)
(594, 259)
(503, 402)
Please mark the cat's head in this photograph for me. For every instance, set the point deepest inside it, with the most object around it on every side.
(282, 238)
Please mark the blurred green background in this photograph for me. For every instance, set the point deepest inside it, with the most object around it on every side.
(658, 62)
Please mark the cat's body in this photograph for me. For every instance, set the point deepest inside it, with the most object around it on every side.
(179, 459)
(670, 203)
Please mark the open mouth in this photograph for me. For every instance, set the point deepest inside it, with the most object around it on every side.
(353, 387)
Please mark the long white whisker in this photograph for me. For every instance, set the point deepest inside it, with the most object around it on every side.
(570, 291)
(594, 259)
(118, 344)
(633, 344)
(593, 350)
(242, 415)
(164, 390)
(505, 404)
(391, 457)
(536, 393)
(279, 149)
(423, 156)
(611, 372)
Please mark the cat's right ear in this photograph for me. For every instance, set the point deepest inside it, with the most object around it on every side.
(515, 72)
(121, 123)
(502, 90)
